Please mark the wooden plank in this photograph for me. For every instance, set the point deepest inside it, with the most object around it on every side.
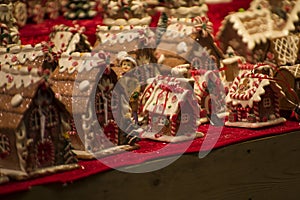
(267, 168)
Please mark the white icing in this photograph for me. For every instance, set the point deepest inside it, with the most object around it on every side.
(16, 100)
(79, 62)
(231, 60)
(181, 27)
(189, 11)
(17, 76)
(123, 22)
(20, 54)
(21, 145)
(84, 85)
(123, 34)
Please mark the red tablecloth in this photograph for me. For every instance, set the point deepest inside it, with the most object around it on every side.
(32, 34)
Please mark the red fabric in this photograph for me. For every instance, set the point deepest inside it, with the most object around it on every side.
(32, 34)
(36, 33)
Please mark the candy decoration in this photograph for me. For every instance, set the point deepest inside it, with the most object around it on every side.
(45, 153)
(5, 36)
(4, 146)
(203, 25)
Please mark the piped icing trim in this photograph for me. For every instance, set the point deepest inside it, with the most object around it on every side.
(18, 76)
(124, 22)
(189, 11)
(121, 34)
(81, 61)
(19, 54)
(180, 27)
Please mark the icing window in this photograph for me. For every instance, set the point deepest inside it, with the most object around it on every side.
(4, 146)
(35, 119)
(99, 103)
(52, 116)
(267, 102)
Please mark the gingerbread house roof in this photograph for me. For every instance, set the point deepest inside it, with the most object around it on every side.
(114, 39)
(294, 70)
(291, 9)
(18, 86)
(76, 76)
(176, 38)
(248, 88)
(284, 50)
(184, 40)
(69, 39)
(32, 56)
(181, 8)
(166, 99)
(253, 27)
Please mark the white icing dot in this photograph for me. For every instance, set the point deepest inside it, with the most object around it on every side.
(16, 100)
(84, 85)
(182, 47)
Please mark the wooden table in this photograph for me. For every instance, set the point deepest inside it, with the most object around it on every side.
(266, 168)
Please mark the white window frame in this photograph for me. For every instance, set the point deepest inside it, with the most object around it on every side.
(185, 118)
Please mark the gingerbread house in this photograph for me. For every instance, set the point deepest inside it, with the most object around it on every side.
(284, 14)
(253, 101)
(173, 112)
(288, 77)
(69, 39)
(189, 40)
(84, 84)
(124, 12)
(33, 125)
(248, 33)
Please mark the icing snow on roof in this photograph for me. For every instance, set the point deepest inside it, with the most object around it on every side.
(248, 88)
